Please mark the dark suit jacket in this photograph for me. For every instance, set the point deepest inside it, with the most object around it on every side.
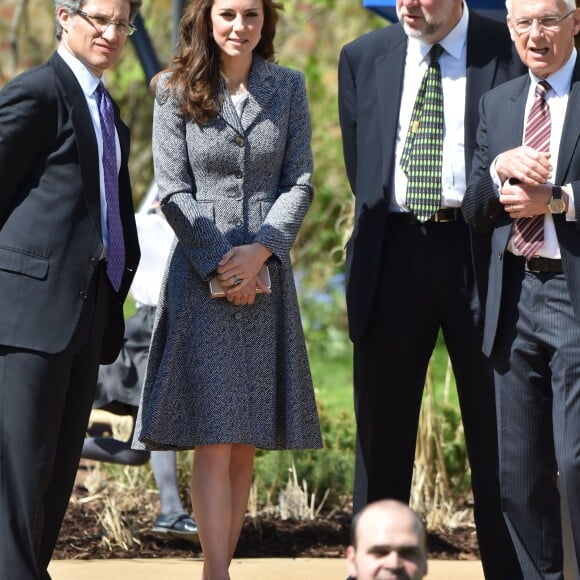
(371, 73)
(50, 224)
(501, 128)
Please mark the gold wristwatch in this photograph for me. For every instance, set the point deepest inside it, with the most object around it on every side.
(557, 204)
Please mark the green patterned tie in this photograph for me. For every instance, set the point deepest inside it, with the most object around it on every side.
(422, 156)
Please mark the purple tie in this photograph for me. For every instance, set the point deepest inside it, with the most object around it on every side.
(116, 251)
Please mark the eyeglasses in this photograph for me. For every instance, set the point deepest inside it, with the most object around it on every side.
(102, 23)
(524, 25)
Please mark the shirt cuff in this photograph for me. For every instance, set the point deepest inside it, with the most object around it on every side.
(497, 184)
(571, 213)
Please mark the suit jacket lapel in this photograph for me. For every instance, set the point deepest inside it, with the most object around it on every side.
(571, 131)
(514, 117)
(511, 137)
(389, 73)
(84, 135)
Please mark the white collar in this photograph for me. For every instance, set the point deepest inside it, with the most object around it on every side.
(560, 80)
(453, 43)
(84, 76)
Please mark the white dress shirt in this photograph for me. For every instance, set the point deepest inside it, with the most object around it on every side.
(453, 63)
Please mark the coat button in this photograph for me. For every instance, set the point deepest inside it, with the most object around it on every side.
(83, 294)
(238, 222)
(240, 141)
(94, 262)
(239, 195)
(238, 174)
(238, 315)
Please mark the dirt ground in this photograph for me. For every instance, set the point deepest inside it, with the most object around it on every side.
(83, 537)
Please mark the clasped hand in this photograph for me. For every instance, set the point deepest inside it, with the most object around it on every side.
(238, 273)
(524, 173)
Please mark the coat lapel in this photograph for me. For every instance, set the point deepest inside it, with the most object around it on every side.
(389, 72)
(229, 114)
(571, 132)
(511, 137)
(514, 117)
(84, 135)
(261, 90)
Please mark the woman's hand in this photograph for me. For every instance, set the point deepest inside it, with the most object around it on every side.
(238, 272)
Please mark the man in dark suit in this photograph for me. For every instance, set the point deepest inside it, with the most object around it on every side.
(407, 278)
(68, 250)
(528, 164)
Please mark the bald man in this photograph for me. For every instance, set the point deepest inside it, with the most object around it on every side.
(387, 541)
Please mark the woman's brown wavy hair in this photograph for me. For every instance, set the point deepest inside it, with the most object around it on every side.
(196, 66)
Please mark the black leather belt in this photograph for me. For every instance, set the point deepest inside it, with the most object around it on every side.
(445, 214)
(442, 215)
(539, 264)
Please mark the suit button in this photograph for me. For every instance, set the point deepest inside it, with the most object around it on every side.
(240, 141)
(238, 222)
(238, 174)
(239, 196)
(94, 262)
(83, 294)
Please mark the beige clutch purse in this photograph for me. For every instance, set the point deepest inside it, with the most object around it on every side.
(216, 290)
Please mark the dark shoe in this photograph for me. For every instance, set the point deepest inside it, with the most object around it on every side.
(180, 526)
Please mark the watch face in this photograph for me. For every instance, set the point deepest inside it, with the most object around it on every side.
(556, 206)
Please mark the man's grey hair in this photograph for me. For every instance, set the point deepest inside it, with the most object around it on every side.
(570, 5)
(71, 6)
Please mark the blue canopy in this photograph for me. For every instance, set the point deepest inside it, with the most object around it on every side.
(491, 8)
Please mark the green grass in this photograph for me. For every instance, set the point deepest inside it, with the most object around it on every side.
(129, 307)
(332, 378)
(333, 382)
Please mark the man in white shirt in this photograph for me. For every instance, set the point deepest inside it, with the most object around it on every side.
(524, 189)
(409, 275)
(68, 251)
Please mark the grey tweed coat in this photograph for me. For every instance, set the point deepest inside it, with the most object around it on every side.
(220, 373)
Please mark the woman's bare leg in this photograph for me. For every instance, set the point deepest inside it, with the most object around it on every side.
(220, 486)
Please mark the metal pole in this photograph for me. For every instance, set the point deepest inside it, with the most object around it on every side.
(178, 8)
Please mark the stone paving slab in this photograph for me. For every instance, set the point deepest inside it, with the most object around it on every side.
(244, 569)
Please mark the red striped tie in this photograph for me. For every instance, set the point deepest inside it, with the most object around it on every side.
(529, 232)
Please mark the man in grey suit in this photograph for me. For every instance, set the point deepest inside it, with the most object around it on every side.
(408, 278)
(68, 250)
(528, 164)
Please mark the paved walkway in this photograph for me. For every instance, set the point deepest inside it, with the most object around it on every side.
(247, 569)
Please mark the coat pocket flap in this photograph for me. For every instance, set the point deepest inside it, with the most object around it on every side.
(19, 262)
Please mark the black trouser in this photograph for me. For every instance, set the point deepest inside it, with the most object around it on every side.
(537, 355)
(427, 285)
(45, 403)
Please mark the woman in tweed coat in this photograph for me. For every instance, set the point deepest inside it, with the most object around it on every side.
(233, 162)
